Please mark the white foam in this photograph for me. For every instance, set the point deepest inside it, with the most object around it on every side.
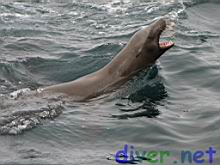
(20, 92)
(117, 6)
(14, 15)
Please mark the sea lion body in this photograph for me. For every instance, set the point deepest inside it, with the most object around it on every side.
(142, 50)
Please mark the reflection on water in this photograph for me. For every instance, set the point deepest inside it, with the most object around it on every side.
(145, 93)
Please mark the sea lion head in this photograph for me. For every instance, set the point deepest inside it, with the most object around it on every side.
(152, 48)
(144, 48)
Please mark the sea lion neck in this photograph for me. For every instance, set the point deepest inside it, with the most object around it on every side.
(124, 64)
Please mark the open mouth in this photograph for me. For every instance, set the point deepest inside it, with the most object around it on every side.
(166, 44)
(166, 32)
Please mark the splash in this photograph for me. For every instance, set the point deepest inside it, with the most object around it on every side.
(27, 111)
(21, 121)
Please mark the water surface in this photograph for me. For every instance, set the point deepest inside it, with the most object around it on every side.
(172, 106)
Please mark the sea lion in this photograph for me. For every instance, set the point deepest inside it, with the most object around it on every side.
(141, 51)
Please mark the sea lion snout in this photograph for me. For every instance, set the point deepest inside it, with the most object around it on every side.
(155, 32)
(156, 29)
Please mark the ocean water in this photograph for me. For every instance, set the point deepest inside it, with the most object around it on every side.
(172, 106)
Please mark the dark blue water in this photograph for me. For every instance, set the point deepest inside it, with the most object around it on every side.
(172, 106)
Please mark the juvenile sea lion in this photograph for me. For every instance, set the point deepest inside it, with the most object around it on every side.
(141, 51)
